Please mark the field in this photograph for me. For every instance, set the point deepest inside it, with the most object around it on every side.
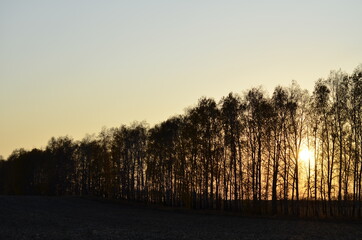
(33, 217)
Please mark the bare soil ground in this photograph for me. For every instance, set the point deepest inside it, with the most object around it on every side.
(34, 217)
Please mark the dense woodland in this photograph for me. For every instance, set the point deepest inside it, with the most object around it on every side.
(240, 154)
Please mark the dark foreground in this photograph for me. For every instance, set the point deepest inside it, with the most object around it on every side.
(77, 218)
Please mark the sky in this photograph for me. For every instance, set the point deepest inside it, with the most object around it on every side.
(72, 67)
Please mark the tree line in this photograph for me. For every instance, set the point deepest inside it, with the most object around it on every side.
(240, 154)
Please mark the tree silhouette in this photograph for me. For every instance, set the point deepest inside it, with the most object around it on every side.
(241, 154)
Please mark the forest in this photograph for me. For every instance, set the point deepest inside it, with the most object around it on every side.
(291, 153)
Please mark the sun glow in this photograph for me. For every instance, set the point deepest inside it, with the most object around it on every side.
(306, 155)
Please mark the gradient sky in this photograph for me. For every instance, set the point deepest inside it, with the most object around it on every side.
(71, 67)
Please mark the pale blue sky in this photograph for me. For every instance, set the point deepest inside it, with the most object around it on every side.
(71, 67)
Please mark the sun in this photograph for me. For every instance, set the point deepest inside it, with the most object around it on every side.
(306, 155)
